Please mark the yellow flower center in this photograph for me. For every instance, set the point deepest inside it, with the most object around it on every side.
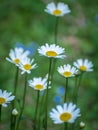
(57, 12)
(16, 61)
(67, 74)
(65, 116)
(2, 100)
(27, 66)
(39, 86)
(83, 68)
(51, 53)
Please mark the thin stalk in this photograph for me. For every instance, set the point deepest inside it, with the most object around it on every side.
(66, 89)
(77, 83)
(0, 111)
(36, 109)
(73, 126)
(23, 103)
(41, 111)
(53, 64)
(16, 81)
(56, 30)
(74, 97)
(55, 42)
(75, 94)
(14, 123)
(14, 93)
(66, 126)
(47, 93)
(39, 120)
(81, 128)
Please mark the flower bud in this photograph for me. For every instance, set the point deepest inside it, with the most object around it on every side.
(14, 112)
(82, 125)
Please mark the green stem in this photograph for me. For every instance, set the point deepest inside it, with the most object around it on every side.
(39, 121)
(41, 111)
(55, 42)
(16, 81)
(14, 123)
(14, 93)
(73, 126)
(23, 103)
(74, 97)
(53, 64)
(77, 85)
(0, 111)
(75, 94)
(66, 89)
(56, 30)
(66, 126)
(36, 109)
(47, 94)
(81, 128)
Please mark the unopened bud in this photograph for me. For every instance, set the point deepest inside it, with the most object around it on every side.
(82, 125)
(14, 112)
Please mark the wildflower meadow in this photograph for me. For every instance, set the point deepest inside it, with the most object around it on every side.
(48, 65)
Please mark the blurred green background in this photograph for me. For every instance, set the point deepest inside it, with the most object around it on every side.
(24, 23)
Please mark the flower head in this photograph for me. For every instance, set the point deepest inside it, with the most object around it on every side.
(67, 71)
(17, 55)
(51, 51)
(57, 10)
(38, 83)
(26, 65)
(83, 65)
(5, 97)
(65, 113)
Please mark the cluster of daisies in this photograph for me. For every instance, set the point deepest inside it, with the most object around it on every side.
(68, 112)
(19, 57)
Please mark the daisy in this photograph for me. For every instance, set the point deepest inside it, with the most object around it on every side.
(84, 65)
(5, 97)
(51, 51)
(26, 65)
(66, 113)
(57, 10)
(17, 55)
(67, 71)
(38, 83)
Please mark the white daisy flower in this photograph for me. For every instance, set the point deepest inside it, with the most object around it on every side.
(26, 65)
(5, 97)
(66, 113)
(38, 83)
(51, 51)
(67, 71)
(84, 65)
(57, 10)
(17, 55)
